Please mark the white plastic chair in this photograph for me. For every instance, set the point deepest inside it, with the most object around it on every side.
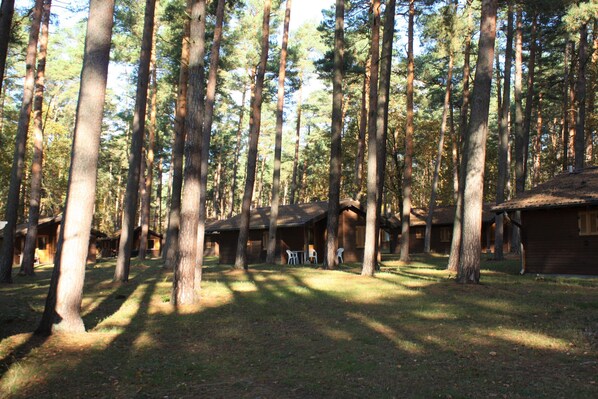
(339, 254)
(292, 258)
(313, 255)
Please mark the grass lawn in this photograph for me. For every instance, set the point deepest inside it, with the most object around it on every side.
(298, 332)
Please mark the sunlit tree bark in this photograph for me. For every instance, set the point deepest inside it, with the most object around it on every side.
(206, 136)
(408, 168)
(369, 250)
(275, 199)
(469, 262)
(254, 132)
(123, 261)
(503, 137)
(336, 129)
(174, 216)
(18, 162)
(151, 140)
(27, 263)
(63, 303)
(183, 285)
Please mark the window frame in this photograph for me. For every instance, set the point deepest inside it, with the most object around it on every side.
(584, 224)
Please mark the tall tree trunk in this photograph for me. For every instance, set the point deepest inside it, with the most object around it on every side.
(6, 13)
(580, 96)
(363, 120)
(294, 181)
(254, 132)
(233, 189)
(369, 251)
(376, 174)
(529, 100)
(18, 162)
(184, 288)
(591, 124)
(149, 159)
(538, 143)
(207, 134)
(123, 261)
(382, 123)
(336, 130)
(455, 252)
(437, 164)
(518, 133)
(407, 179)
(503, 138)
(572, 101)
(565, 130)
(27, 263)
(61, 312)
(469, 264)
(174, 215)
(275, 201)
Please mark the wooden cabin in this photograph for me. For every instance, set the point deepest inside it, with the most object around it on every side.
(301, 227)
(559, 224)
(48, 230)
(109, 246)
(442, 230)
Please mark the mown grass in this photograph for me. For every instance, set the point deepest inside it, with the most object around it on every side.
(298, 332)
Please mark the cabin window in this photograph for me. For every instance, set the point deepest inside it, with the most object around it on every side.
(265, 239)
(42, 242)
(151, 244)
(419, 234)
(588, 223)
(209, 244)
(359, 236)
(445, 234)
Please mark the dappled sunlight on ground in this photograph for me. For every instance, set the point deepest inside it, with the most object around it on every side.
(297, 332)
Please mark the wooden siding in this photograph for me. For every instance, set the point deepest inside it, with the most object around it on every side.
(296, 238)
(416, 245)
(553, 245)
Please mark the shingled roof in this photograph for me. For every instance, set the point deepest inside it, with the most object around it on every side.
(565, 189)
(288, 216)
(21, 229)
(444, 215)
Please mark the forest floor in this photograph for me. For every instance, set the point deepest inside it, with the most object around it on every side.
(300, 332)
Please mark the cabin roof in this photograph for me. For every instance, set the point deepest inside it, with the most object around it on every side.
(444, 215)
(288, 216)
(566, 189)
(21, 229)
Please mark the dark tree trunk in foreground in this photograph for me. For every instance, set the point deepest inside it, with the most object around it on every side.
(376, 173)
(445, 114)
(6, 13)
(406, 214)
(178, 147)
(336, 129)
(270, 257)
(469, 263)
(518, 132)
(254, 133)
(183, 285)
(580, 96)
(18, 162)
(453, 262)
(28, 261)
(123, 262)
(369, 250)
(63, 303)
(206, 136)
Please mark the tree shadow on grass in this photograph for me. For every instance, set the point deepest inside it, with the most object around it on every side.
(286, 334)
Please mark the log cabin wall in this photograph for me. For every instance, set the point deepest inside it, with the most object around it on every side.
(553, 243)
